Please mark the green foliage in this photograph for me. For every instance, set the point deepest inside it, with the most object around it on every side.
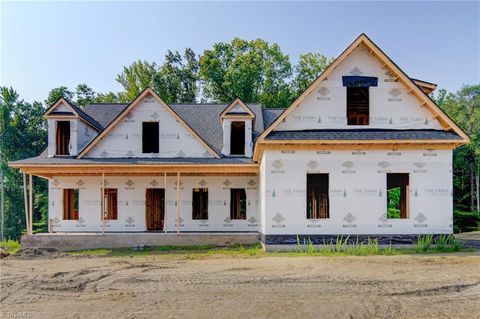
(11, 246)
(464, 108)
(393, 200)
(135, 78)
(176, 80)
(424, 243)
(24, 135)
(57, 93)
(253, 71)
(84, 94)
(309, 67)
(465, 221)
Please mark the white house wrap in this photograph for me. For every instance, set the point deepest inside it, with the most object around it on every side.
(363, 152)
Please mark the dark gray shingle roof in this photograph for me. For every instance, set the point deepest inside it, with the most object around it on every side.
(104, 113)
(270, 115)
(366, 134)
(44, 160)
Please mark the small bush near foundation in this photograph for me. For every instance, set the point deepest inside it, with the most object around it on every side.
(343, 246)
(9, 246)
(443, 243)
(465, 221)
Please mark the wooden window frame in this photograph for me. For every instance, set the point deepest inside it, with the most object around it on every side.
(150, 146)
(110, 198)
(70, 212)
(199, 203)
(320, 207)
(402, 181)
(236, 142)
(62, 138)
(236, 212)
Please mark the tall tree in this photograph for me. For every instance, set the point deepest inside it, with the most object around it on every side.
(176, 81)
(464, 108)
(254, 71)
(84, 95)
(57, 93)
(135, 78)
(309, 67)
(24, 135)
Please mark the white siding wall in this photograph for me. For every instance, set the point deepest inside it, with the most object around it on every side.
(131, 203)
(357, 183)
(125, 140)
(391, 106)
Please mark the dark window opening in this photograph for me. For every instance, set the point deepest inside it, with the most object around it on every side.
(237, 138)
(238, 203)
(397, 195)
(150, 137)
(200, 203)
(317, 196)
(63, 138)
(70, 204)
(357, 106)
(110, 199)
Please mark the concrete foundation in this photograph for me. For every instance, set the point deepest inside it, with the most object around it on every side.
(79, 241)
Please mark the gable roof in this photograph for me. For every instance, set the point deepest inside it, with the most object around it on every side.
(104, 113)
(374, 50)
(75, 111)
(147, 91)
(229, 110)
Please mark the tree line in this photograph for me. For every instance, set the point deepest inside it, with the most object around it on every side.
(255, 71)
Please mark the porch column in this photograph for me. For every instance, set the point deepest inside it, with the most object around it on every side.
(30, 228)
(178, 203)
(102, 203)
(165, 202)
(25, 201)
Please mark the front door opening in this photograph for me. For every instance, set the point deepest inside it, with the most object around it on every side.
(155, 208)
(237, 138)
(397, 195)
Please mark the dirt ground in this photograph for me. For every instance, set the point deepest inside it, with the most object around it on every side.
(406, 286)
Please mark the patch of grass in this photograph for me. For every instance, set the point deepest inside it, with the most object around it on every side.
(11, 246)
(343, 246)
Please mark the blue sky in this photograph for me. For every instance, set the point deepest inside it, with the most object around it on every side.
(49, 44)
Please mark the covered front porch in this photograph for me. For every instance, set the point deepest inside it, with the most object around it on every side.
(133, 182)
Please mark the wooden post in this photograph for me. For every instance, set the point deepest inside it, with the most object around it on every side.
(25, 195)
(30, 229)
(165, 202)
(178, 203)
(102, 203)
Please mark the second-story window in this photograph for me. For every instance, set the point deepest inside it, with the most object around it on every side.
(358, 108)
(237, 138)
(63, 138)
(150, 137)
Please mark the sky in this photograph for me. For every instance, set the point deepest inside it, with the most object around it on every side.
(50, 44)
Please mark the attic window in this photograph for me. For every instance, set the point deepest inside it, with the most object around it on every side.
(150, 137)
(397, 195)
(63, 138)
(357, 106)
(237, 138)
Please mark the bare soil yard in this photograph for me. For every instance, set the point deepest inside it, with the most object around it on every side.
(228, 286)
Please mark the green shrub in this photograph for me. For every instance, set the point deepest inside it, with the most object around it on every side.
(464, 221)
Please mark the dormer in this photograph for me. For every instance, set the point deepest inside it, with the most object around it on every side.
(237, 123)
(69, 129)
